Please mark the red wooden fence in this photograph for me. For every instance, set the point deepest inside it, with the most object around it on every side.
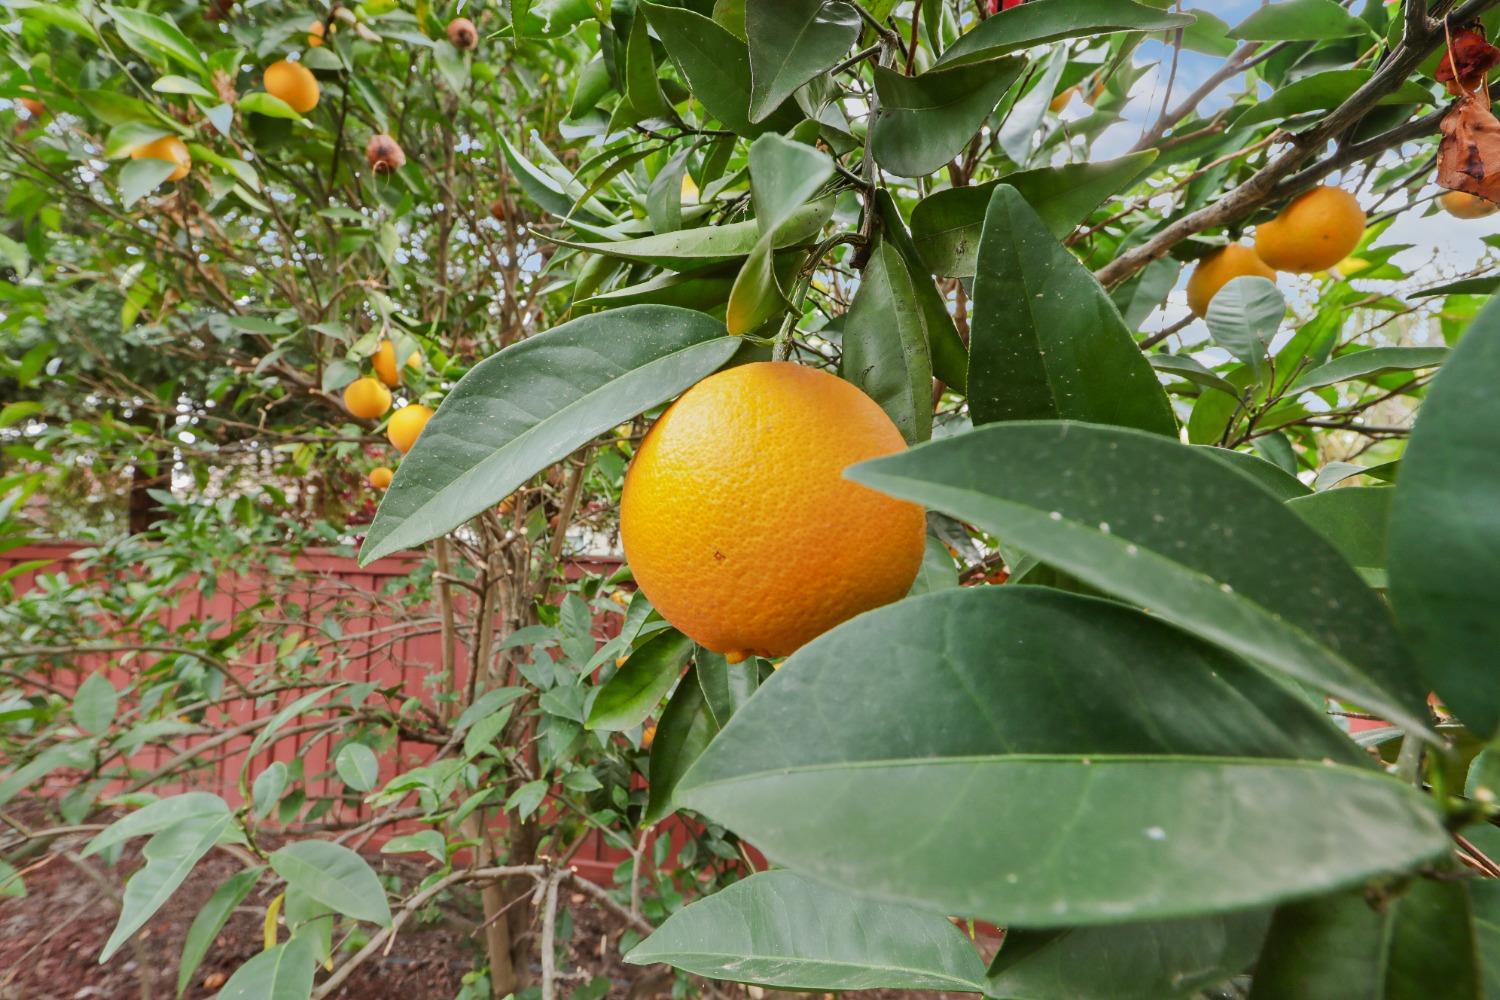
(384, 639)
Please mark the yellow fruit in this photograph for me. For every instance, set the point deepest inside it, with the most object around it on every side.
(1350, 266)
(1218, 269)
(294, 84)
(380, 477)
(315, 34)
(1463, 205)
(1061, 100)
(366, 398)
(385, 363)
(169, 148)
(1313, 233)
(406, 424)
(739, 524)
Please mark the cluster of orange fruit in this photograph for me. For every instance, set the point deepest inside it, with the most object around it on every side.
(1315, 231)
(369, 397)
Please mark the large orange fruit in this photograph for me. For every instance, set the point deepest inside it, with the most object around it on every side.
(406, 425)
(739, 524)
(1220, 268)
(169, 148)
(1463, 205)
(294, 84)
(1314, 232)
(366, 398)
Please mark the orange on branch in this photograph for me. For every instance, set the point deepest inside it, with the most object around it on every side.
(169, 148)
(293, 83)
(1313, 233)
(385, 363)
(739, 524)
(1220, 268)
(316, 32)
(366, 398)
(380, 477)
(406, 425)
(1463, 205)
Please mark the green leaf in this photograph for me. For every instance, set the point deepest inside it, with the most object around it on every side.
(1078, 753)
(170, 855)
(1170, 528)
(688, 249)
(780, 930)
(1243, 319)
(525, 800)
(716, 66)
(1345, 946)
(182, 85)
(1041, 21)
(637, 688)
(664, 198)
(1369, 364)
(1354, 518)
(726, 686)
(11, 884)
(1045, 340)
(150, 34)
(1445, 538)
(429, 842)
(950, 357)
(926, 120)
(937, 572)
(357, 767)
(260, 103)
(282, 972)
(486, 705)
(885, 341)
(267, 789)
(210, 920)
(95, 702)
(1135, 961)
(452, 64)
(791, 42)
(1484, 903)
(334, 876)
(127, 137)
(685, 729)
(1322, 92)
(1191, 369)
(139, 178)
(532, 404)
(1140, 296)
(1278, 481)
(188, 808)
(1299, 20)
(698, 290)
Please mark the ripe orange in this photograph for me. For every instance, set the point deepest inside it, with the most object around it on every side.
(406, 424)
(34, 108)
(1463, 205)
(169, 148)
(366, 398)
(385, 363)
(739, 523)
(1313, 233)
(315, 34)
(1218, 269)
(294, 83)
(380, 477)
(648, 737)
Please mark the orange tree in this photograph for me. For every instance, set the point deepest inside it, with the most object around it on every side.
(1134, 754)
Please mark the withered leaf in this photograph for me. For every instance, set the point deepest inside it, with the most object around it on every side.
(1466, 62)
(1469, 154)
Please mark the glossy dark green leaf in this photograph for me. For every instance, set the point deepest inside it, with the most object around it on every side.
(946, 226)
(1464, 286)
(1323, 92)
(1484, 903)
(1142, 295)
(926, 120)
(634, 691)
(950, 358)
(1243, 319)
(1042, 21)
(1170, 528)
(1354, 518)
(783, 175)
(1045, 339)
(1191, 369)
(682, 734)
(885, 344)
(1038, 758)
(1299, 20)
(150, 34)
(781, 930)
(1445, 537)
(1135, 961)
(689, 249)
(792, 41)
(726, 686)
(1371, 363)
(1022, 122)
(664, 197)
(1414, 947)
(716, 66)
(532, 404)
(1276, 480)
(700, 291)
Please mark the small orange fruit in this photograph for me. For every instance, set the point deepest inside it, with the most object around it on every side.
(1218, 269)
(462, 33)
(294, 83)
(316, 33)
(704, 516)
(380, 477)
(366, 398)
(1313, 233)
(385, 363)
(384, 154)
(169, 148)
(1061, 100)
(406, 425)
(648, 737)
(34, 108)
(1463, 205)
